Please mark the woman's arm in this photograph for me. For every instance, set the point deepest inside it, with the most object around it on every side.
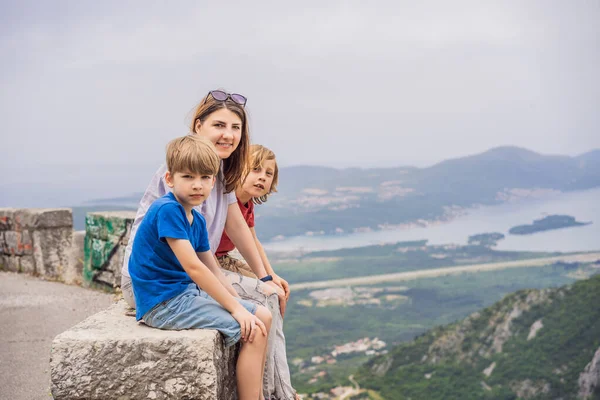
(279, 281)
(210, 261)
(240, 235)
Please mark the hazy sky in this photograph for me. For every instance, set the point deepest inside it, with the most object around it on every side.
(87, 84)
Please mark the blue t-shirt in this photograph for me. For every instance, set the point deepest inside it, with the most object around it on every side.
(155, 272)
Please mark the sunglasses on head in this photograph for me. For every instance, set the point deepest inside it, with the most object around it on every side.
(220, 95)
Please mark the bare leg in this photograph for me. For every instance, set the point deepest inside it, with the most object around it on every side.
(265, 316)
(251, 364)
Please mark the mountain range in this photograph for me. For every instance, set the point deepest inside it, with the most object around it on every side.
(327, 200)
(322, 200)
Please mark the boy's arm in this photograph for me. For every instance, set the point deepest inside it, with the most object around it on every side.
(206, 280)
(210, 261)
(279, 281)
(240, 235)
(202, 275)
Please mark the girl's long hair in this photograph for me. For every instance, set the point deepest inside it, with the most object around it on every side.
(233, 166)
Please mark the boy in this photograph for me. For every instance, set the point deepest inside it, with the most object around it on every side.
(176, 281)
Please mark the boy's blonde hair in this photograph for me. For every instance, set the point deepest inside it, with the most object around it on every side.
(258, 155)
(194, 154)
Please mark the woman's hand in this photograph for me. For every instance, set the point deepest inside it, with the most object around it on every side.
(270, 288)
(282, 283)
(248, 323)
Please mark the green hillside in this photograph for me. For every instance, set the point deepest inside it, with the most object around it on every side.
(533, 344)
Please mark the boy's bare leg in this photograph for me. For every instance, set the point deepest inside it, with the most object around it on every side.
(251, 361)
(265, 316)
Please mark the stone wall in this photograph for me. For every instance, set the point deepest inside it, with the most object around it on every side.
(110, 355)
(106, 238)
(41, 242)
(37, 242)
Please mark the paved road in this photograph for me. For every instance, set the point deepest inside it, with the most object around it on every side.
(32, 313)
(435, 272)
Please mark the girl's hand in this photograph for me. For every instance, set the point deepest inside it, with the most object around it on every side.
(248, 324)
(271, 287)
(282, 283)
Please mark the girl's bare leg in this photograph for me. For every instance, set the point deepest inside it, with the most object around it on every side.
(251, 361)
(265, 316)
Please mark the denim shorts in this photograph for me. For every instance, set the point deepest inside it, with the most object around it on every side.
(194, 308)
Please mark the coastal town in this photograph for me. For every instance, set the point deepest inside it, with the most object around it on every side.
(366, 346)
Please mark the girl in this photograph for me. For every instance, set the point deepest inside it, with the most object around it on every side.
(221, 118)
(259, 182)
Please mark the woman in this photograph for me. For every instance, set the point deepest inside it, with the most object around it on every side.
(221, 118)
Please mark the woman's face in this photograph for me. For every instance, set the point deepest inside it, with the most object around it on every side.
(224, 129)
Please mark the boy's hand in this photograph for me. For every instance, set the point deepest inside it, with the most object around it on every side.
(282, 283)
(248, 324)
(280, 293)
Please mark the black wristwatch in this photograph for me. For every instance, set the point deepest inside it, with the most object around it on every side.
(266, 278)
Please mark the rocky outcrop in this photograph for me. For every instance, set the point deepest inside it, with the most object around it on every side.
(528, 389)
(111, 356)
(496, 328)
(532, 344)
(589, 379)
(535, 327)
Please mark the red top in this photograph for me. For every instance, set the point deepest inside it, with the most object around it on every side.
(226, 244)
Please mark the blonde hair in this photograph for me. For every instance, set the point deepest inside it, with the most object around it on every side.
(258, 155)
(233, 166)
(193, 154)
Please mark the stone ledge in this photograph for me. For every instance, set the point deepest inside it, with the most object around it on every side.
(111, 356)
(17, 219)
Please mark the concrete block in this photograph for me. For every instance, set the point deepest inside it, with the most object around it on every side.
(10, 263)
(43, 218)
(74, 273)
(19, 219)
(7, 219)
(109, 225)
(17, 242)
(107, 234)
(111, 356)
(27, 265)
(52, 251)
(110, 275)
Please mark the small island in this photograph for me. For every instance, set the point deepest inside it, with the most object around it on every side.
(547, 223)
(485, 239)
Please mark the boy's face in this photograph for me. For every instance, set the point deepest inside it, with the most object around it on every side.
(189, 188)
(259, 180)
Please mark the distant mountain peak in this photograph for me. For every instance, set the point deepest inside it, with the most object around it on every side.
(592, 155)
(510, 150)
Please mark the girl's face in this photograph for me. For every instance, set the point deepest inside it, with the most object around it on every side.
(224, 129)
(259, 180)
